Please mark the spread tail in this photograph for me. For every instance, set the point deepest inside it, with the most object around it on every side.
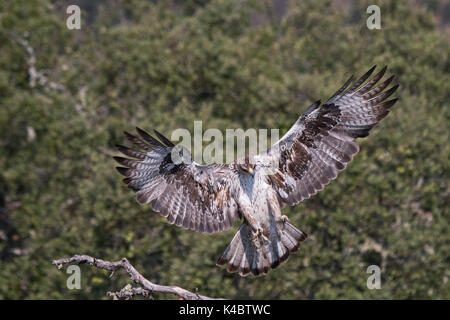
(248, 253)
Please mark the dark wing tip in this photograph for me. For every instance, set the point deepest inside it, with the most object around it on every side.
(341, 89)
(121, 160)
(163, 139)
(370, 71)
(129, 135)
(380, 73)
(141, 131)
(123, 171)
(390, 103)
(383, 71)
(121, 148)
(361, 80)
(148, 138)
(394, 88)
(389, 80)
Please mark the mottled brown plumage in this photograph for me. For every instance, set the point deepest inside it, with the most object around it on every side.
(207, 198)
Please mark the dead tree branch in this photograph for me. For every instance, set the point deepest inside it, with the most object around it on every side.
(146, 287)
(129, 292)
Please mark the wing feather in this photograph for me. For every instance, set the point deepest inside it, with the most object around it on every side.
(189, 195)
(322, 141)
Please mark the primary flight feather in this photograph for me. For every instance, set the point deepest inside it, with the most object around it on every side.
(207, 198)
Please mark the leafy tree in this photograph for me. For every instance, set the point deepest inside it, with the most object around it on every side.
(231, 64)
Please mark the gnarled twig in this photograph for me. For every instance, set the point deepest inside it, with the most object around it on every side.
(129, 292)
(146, 287)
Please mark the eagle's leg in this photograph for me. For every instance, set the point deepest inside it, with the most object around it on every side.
(276, 210)
(259, 233)
(257, 230)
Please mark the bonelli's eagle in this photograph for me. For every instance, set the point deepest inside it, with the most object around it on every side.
(207, 198)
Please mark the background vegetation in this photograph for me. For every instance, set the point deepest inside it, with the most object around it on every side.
(232, 64)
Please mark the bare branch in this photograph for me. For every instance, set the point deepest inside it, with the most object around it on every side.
(146, 287)
(128, 292)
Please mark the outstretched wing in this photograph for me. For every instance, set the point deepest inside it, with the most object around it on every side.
(321, 142)
(190, 195)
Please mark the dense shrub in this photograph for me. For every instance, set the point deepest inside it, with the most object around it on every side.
(232, 64)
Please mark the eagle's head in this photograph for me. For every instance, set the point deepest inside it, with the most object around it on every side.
(246, 167)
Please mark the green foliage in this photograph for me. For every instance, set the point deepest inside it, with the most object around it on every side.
(163, 66)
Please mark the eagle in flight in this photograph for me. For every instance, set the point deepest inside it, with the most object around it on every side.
(207, 198)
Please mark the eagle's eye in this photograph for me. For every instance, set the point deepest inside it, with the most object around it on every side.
(247, 169)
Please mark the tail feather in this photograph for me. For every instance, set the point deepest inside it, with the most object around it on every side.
(236, 259)
(247, 254)
(290, 241)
